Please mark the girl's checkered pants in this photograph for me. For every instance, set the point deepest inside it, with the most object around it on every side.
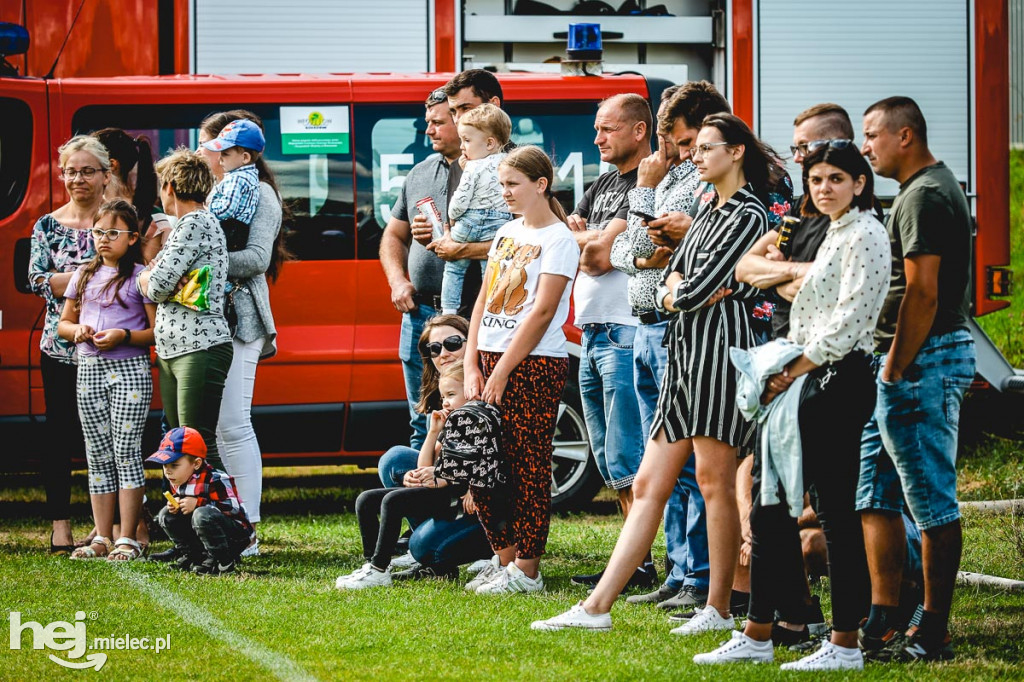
(113, 402)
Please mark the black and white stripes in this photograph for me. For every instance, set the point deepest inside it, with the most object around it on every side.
(698, 393)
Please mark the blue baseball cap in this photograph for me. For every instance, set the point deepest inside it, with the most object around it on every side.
(177, 443)
(240, 133)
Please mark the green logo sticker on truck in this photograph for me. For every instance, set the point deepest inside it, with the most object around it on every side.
(314, 130)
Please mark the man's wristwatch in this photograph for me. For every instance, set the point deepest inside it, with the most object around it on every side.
(127, 336)
(660, 295)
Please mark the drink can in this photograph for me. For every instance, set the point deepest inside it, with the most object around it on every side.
(428, 208)
(784, 242)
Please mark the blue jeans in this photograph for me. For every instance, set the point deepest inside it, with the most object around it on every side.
(434, 542)
(475, 225)
(412, 367)
(918, 420)
(686, 535)
(394, 463)
(610, 405)
(448, 543)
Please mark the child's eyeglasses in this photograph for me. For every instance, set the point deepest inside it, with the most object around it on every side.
(433, 349)
(111, 235)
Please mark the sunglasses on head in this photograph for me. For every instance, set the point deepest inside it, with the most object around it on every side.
(437, 96)
(814, 145)
(451, 344)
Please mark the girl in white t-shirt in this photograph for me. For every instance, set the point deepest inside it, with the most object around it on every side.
(516, 358)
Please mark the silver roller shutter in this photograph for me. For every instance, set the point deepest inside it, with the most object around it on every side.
(270, 36)
(856, 53)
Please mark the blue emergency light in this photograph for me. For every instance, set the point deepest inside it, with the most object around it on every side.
(14, 39)
(584, 42)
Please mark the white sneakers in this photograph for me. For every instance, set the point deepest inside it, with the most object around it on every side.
(402, 562)
(364, 577)
(576, 617)
(739, 649)
(477, 566)
(829, 657)
(706, 620)
(511, 579)
(486, 574)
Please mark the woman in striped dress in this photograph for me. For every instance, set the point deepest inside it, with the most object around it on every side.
(697, 409)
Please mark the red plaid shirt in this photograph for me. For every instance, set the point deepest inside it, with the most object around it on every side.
(210, 486)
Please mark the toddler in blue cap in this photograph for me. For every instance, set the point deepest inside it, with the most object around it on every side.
(235, 198)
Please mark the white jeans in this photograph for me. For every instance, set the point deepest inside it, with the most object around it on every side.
(236, 438)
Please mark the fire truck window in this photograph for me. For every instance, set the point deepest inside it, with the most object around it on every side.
(316, 188)
(15, 153)
(391, 139)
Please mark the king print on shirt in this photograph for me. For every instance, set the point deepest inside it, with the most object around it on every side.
(506, 288)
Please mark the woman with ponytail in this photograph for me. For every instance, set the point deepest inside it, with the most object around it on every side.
(133, 178)
(254, 336)
(516, 358)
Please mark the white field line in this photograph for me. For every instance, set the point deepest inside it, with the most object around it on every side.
(280, 665)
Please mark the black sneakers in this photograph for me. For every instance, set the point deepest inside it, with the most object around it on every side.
(184, 562)
(211, 566)
(645, 576)
(165, 556)
(880, 648)
(587, 580)
(786, 637)
(906, 648)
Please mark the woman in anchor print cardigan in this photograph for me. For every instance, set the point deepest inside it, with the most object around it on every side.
(193, 347)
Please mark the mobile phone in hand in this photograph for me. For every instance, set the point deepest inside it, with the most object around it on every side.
(646, 217)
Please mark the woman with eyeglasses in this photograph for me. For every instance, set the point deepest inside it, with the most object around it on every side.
(61, 242)
(112, 326)
(697, 413)
(828, 386)
(440, 541)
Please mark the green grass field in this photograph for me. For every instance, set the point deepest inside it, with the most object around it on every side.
(280, 617)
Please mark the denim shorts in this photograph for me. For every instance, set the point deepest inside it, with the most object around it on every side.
(908, 449)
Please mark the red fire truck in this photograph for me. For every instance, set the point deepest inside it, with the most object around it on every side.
(334, 393)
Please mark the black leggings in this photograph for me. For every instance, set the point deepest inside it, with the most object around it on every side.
(831, 421)
(394, 504)
(63, 434)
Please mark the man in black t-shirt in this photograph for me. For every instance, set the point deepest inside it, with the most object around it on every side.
(926, 361)
(601, 305)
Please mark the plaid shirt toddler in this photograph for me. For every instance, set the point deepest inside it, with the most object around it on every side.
(210, 486)
(237, 195)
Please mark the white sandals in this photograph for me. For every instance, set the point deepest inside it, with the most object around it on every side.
(87, 552)
(119, 553)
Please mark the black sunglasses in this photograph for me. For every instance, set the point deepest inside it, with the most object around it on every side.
(433, 349)
(814, 145)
